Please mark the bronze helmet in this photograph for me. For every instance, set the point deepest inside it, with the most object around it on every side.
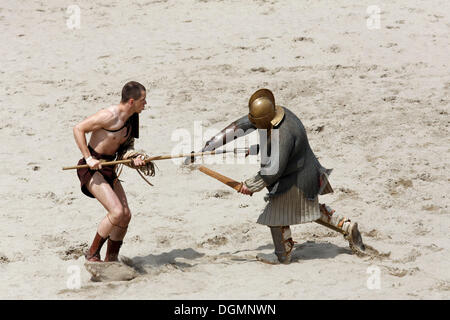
(263, 112)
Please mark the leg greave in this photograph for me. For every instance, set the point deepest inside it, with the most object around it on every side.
(282, 240)
(331, 219)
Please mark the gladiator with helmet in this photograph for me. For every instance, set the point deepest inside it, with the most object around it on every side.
(291, 173)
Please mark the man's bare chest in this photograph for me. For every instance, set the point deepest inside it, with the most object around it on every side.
(111, 137)
(117, 137)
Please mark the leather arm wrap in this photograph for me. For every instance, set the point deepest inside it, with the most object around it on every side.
(255, 183)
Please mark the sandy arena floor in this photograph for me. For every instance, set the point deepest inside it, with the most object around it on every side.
(375, 103)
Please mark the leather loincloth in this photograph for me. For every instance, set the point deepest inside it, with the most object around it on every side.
(85, 174)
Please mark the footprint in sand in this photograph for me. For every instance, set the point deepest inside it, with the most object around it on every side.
(3, 258)
(73, 252)
(259, 69)
(400, 272)
(410, 257)
(216, 241)
(220, 194)
(44, 106)
(303, 39)
(334, 49)
(371, 253)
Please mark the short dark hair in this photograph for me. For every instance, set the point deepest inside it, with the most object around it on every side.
(132, 90)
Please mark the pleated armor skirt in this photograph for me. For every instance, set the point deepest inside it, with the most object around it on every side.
(291, 207)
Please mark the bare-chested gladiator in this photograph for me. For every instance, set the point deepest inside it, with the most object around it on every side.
(113, 132)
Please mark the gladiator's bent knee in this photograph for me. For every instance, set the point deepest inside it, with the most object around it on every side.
(126, 217)
(116, 214)
(117, 221)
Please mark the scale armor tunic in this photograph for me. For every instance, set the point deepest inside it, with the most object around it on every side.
(294, 179)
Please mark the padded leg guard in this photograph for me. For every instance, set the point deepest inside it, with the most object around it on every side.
(284, 245)
(343, 225)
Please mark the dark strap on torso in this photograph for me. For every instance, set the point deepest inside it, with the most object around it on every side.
(127, 124)
(115, 130)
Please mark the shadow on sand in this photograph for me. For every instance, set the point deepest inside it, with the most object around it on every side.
(312, 250)
(166, 258)
(306, 251)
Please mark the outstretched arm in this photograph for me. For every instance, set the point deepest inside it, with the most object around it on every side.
(234, 130)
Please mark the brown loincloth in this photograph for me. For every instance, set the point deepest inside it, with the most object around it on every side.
(85, 174)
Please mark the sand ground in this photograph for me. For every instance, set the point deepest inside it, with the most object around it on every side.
(375, 103)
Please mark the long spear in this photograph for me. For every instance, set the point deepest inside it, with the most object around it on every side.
(164, 157)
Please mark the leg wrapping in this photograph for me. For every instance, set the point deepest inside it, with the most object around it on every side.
(329, 217)
(282, 240)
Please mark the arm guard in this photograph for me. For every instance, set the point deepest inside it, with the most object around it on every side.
(255, 184)
(236, 129)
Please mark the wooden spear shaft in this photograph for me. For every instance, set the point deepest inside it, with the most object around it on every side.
(237, 186)
(161, 157)
(228, 181)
